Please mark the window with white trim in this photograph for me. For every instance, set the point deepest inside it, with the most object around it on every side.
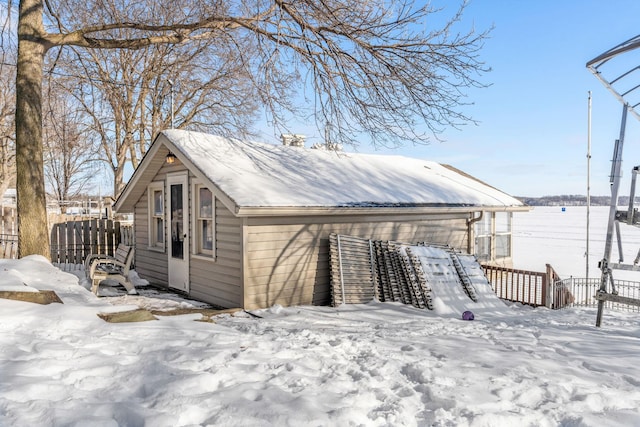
(204, 221)
(503, 234)
(483, 238)
(156, 215)
(493, 235)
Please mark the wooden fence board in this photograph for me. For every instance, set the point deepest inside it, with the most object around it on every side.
(73, 241)
(101, 244)
(8, 246)
(78, 242)
(94, 235)
(117, 234)
(71, 249)
(86, 239)
(110, 235)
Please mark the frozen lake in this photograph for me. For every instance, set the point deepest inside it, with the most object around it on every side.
(549, 235)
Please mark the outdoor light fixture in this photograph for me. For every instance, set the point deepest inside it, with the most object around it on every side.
(171, 158)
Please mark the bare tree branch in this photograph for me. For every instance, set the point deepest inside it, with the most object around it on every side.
(131, 94)
(362, 70)
(374, 67)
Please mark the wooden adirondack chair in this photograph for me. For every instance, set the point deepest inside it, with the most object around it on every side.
(100, 267)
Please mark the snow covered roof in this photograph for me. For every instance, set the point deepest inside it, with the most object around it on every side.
(264, 175)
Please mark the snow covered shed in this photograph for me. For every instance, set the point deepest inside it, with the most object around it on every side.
(242, 224)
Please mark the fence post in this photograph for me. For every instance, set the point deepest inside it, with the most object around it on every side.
(547, 287)
(117, 234)
(86, 238)
(95, 249)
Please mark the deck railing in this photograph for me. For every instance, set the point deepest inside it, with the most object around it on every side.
(526, 287)
(548, 289)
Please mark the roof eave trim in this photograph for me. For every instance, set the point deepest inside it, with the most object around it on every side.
(315, 210)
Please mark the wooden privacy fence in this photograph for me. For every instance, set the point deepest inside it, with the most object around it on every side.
(72, 241)
(8, 219)
(526, 287)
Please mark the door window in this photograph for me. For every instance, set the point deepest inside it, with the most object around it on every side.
(177, 215)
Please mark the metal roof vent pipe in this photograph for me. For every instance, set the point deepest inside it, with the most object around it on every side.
(293, 140)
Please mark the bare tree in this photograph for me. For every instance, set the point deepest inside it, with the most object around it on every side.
(7, 108)
(69, 155)
(131, 96)
(374, 67)
(7, 129)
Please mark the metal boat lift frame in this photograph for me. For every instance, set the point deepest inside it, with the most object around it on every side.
(621, 84)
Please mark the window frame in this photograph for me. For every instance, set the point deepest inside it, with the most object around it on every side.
(503, 231)
(198, 220)
(490, 232)
(154, 243)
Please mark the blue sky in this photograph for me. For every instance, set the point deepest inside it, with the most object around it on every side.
(532, 135)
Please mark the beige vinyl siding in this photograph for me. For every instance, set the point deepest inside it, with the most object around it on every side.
(214, 281)
(219, 282)
(262, 261)
(288, 264)
(151, 263)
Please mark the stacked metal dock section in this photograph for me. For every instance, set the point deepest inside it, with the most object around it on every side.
(364, 270)
(353, 270)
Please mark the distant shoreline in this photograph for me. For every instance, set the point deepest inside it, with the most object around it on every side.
(573, 200)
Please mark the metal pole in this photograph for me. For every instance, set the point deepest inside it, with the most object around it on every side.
(615, 185)
(171, 96)
(588, 181)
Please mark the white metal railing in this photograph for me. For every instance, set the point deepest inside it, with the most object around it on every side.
(580, 292)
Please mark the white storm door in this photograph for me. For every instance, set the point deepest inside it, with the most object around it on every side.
(178, 239)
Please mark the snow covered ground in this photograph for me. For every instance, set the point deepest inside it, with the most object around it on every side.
(372, 365)
(550, 235)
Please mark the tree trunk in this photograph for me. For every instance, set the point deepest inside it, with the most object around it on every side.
(33, 232)
(118, 181)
